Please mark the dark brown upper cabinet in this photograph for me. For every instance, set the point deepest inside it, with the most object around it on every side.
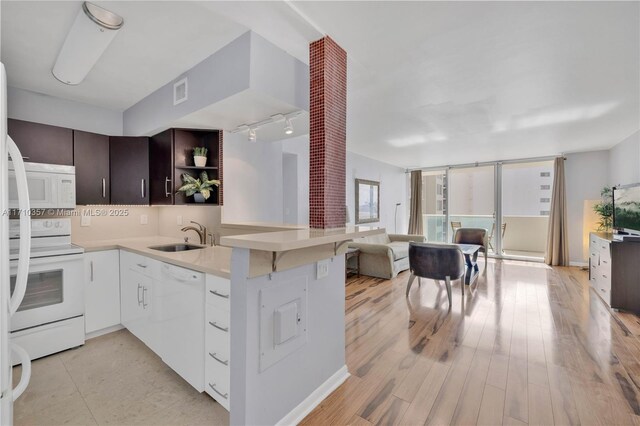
(171, 155)
(91, 158)
(41, 143)
(161, 168)
(129, 160)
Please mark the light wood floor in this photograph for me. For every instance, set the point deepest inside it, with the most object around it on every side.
(529, 344)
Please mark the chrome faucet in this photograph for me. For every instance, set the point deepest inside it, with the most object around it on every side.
(201, 230)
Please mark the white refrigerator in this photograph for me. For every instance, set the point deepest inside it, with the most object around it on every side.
(9, 303)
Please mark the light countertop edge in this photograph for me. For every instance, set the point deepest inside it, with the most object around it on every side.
(209, 260)
(298, 239)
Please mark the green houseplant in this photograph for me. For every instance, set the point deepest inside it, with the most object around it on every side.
(200, 156)
(604, 209)
(200, 188)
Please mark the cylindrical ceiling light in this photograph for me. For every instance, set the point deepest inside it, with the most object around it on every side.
(91, 33)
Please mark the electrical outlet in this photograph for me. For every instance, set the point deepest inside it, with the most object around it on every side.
(85, 220)
(179, 220)
(322, 269)
(144, 219)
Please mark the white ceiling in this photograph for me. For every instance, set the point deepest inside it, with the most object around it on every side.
(436, 83)
(158, 42)
(429, 83)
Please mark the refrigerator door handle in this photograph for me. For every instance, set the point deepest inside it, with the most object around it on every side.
(25, 227)
(25, 360)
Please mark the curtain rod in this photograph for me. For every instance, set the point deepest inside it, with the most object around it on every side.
(486, 163)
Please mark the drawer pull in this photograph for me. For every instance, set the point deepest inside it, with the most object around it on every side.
(225, 329)
(604, 261)
(224, 395)
(224, 296)
(604, 276)
(141, 265)
(213, 355)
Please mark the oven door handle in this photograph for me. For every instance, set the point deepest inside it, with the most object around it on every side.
(25, 376)
(25, 227)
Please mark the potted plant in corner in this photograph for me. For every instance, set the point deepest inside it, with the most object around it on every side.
(200, 156)
(604, 209)
(200, 188)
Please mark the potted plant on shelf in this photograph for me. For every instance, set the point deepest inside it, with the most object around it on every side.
(604, 209)
(200, 156)
(200, 188)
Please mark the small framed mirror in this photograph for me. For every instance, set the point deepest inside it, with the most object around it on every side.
(367, 201)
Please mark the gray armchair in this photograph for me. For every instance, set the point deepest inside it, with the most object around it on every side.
(437, 262)
(477, 236)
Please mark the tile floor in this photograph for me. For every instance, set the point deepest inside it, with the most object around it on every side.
(112, 379)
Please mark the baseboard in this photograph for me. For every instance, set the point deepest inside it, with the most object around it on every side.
(296, 415)
(104, 331)
(580, 264)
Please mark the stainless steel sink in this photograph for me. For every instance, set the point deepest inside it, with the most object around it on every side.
(176, 247)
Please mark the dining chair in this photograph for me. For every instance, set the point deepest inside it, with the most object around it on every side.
(454, 227)
(493, 229)
(436, 262)
(477, 236)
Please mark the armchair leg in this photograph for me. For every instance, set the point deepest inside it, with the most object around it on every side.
(411, 278)
(447, 282)
(419, 282)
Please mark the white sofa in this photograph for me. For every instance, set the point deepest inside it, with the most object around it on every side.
(384, 255)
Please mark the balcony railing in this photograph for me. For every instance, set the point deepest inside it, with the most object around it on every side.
(524, 235)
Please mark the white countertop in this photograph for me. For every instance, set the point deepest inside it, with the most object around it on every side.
(298, 238)
(210, 260)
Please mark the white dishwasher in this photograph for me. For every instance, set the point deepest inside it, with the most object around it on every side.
(181, 299)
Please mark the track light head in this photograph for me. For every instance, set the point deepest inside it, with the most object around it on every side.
(288, 127)
(252, 134)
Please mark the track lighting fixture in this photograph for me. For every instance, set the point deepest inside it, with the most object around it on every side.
(276, 118)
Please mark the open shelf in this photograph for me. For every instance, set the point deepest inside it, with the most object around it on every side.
(197, 168)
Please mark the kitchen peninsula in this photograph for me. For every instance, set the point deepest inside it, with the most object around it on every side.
(269, 330)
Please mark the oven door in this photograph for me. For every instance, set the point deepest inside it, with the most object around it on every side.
(55, 291)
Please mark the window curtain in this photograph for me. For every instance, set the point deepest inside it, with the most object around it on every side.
(415, 209)
(557, 242)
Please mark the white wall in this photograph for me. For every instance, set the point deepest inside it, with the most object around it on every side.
(392, 189)
(31, 106)
(299, 146)
(252, 180)
(586, 174)
(624, 161)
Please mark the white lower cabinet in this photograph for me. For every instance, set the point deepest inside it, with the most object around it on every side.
(137, 275)
(217, 340)
(101, 290)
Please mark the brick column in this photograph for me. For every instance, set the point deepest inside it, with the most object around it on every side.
(327, 134)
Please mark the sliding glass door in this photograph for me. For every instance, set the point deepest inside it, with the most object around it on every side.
(434, 205)
(472, 201)
(526, 200)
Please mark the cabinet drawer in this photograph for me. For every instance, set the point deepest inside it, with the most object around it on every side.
(605, 295)
(217, 381)
(217, 330)
(218, 292)
(140, 264)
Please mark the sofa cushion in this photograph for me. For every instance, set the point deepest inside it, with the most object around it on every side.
(400, 249)
(375, 239)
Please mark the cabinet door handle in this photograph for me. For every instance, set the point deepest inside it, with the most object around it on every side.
(167, 194)
(91, 270)
(104, 188)
(215, 324)
(139, 301)
(224, 296)
(213, 355)
(144, 298)
(142, 188)
(224, 395)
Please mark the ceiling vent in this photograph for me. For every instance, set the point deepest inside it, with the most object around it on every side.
(180, 91)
